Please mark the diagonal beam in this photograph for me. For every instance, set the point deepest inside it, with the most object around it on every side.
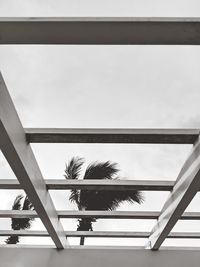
(100, 30)
(23, 163)
(184, 190)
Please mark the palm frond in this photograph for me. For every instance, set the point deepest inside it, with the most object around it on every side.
(108, 199)
(73, 168)
(17, 203)
(72, 172)
(27, 204)
(96, 170)
(19, 223)
(25, 223)
(97, 200)
(75, 197)
(13, 239)
(101, 170)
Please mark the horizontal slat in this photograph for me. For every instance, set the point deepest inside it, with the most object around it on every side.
(124, 185)
(18, 214)
(10, 184)
(184, 235)
(63, 184)
(84, 214)
(102, 234)
(113, 30)
(190, 216)
(76, 233)
(153, 136)
(147, 215)
(24, 233)
(106, 234)
(109, 214)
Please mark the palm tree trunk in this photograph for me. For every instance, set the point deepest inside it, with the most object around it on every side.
(82, 240)
(85, 224)
(13, 239)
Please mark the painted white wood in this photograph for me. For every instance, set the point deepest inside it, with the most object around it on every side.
(24, 165)
(63, 184)
(104, 234)
(67, 214)
(183, 192)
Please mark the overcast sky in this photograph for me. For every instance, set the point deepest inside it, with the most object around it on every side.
(105, 86)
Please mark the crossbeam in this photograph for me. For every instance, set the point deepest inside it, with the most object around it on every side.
(63, 184)
(123, 185)
(183, 192)
(95, 31)
(100, 234)
(24, 165)
(67, 214)
(121, 136)
(108, 234)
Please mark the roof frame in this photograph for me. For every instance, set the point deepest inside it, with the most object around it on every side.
(15, 140)
(15, 144)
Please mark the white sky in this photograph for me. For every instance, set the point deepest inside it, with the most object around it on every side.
(105, 86)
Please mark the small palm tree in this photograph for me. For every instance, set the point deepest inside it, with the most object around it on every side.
(20, 223)
(96, 200)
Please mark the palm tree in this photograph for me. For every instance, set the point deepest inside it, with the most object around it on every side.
(96, 200)
(20, 223)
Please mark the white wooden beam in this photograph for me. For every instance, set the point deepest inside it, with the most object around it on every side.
(10, 184)
(67, 214)
(145, 185)
(100, 234)
(90, 135)
(110, 31)
(23, 163)
(183, 192)
(107, 234)
(63, 184)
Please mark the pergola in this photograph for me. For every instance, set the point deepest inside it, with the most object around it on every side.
(15, 145)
